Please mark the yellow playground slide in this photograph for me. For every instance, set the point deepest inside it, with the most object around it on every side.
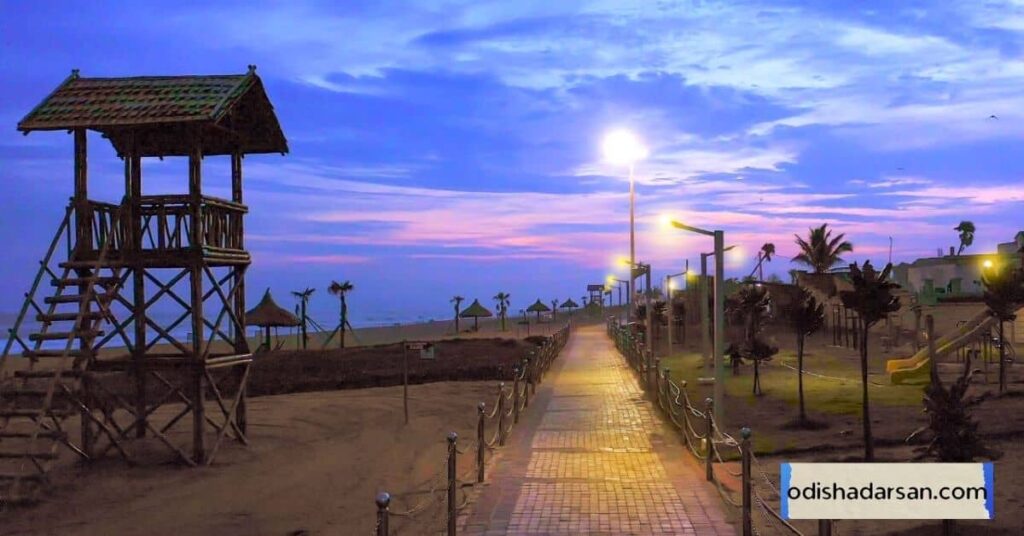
(916, 367)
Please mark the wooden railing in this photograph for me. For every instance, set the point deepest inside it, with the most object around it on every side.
(165, 223)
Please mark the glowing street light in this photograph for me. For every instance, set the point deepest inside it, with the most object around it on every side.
(622, 147)
(719, 335)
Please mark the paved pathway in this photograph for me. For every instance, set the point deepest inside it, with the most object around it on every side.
(592, 457)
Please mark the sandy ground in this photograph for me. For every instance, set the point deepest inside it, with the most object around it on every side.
(316, 462)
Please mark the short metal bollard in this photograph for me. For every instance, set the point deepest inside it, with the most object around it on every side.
(481, 443)
(526, 375)
(709, 405)
(383, 500)
(501, 414)
(452, 452)
(748, 528)
(657, 378)
(515, 393)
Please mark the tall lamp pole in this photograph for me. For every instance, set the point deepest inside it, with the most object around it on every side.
(623, 147)
(719, 335)
(705, 314)
(669, 313)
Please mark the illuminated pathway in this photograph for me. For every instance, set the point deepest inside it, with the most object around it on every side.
(592, 457)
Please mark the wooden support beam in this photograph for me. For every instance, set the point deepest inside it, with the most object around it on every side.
(241, 343)
(83, 230)
(195, 159)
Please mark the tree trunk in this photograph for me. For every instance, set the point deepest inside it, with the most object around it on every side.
(344, 322)
(800, 373)
(757, 376)
(869, 447)
(1002, 359)
(456, 318)
(304, 336)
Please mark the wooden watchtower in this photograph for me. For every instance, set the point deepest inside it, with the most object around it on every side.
(135, 319)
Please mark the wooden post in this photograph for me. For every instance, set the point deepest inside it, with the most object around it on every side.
(133, 170)
(748, 528)
(196, 272)
(501, 414)
(824, 527)
(452, 453)
(515, 393)
(83, 224)
(481, 443)
(241, 343)
(383, 500)
(83, 239)
(405, 381)
(709, 472)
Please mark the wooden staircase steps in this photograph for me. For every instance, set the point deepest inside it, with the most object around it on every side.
(65, 335)
(76, 281)
(53, 353)
(71, 373)
(34, 413)
(75, 298)
(90, 316)
(41, 434)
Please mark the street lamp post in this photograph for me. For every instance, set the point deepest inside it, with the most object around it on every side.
(719, 317)
(705, 314)
(669, 313)
(623, 147)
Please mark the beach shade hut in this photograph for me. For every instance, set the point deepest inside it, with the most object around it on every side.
(475, 311)
(268, 314)
(538, 307)
(569, 304)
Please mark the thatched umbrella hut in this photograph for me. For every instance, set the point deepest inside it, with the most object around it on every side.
(475, 311)
(538, 307)
(569, 304)
(268, 314)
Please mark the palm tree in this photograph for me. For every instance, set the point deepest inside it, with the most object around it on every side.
(757, 351)
(303, 296)
(1004, 294)
(554, 307)
(339, 290)
(821, 252)
(502, 299)
(808, 316)
(872, 299)
(966, 230)
(763, 255)
(457, 300)
(751, 305)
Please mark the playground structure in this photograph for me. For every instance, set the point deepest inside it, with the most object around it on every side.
(972, 338)
(95, 349)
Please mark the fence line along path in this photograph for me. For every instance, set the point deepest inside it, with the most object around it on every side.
(594, 458)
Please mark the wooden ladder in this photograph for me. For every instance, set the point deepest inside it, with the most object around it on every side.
(37, 400)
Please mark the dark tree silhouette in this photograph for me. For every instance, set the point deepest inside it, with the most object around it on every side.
(340, 289)
(457, 301)
(1004, 294)
(872, 299)
(820, 251)
(808, 316)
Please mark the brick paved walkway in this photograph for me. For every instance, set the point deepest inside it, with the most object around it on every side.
(592, 457)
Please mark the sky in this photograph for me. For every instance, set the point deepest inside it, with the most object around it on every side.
(454, 147)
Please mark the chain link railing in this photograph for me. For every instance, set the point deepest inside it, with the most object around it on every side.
(707, 445)
(507, 406)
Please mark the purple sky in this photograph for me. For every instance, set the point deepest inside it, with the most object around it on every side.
(443, 148)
